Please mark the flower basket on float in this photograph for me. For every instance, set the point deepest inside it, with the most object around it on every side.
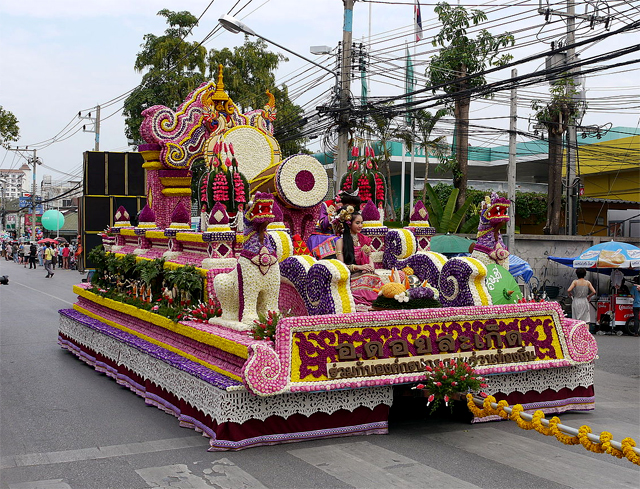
(449, 381)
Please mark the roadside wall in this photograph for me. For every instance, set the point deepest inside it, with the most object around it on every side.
(535, 249)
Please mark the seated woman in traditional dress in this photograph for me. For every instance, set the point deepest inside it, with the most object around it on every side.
(354, 249)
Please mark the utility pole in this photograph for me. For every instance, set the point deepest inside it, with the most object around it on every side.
(96, 126)
(33, 161)
(340, 165)
(511, 172)
(571, 137)
(572, 140)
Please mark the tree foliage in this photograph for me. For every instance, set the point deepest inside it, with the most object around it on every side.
(9, 130)
(248, 74)
(424, 122)
(175, 67)
(457, 68)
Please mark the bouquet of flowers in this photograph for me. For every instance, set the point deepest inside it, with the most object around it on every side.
(204, 311)
(450, 377)
(265, 326)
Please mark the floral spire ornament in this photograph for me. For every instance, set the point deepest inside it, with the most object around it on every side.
(147, 218)
(180, 217)
(420, 216)
(122, 218)
(219, 219)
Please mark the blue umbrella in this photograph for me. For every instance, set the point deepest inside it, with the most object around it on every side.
(612, 254)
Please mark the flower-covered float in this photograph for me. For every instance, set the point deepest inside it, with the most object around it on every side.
(323, 369)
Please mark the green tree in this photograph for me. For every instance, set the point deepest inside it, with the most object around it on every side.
(420, 135)
(381, 125)
(9, 130)
(175, 67)
(556, 115)
(248, 74)
(444, 218)
(458, 67)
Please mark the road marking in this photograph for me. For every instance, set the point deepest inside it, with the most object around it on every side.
(48, 484)
(365, 465)
(549, 461)
(174, 476)
(223, 474)
(41, 292)
(94, 453)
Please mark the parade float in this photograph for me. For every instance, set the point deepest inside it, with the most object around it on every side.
(266, 344)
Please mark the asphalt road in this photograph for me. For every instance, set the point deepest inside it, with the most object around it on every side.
(63, 425)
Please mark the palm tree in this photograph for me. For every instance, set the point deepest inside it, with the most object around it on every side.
(420, 134)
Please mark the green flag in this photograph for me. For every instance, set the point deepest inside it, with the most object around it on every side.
(363, 77)
(409, 86)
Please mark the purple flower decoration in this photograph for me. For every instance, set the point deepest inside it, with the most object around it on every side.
(419, 212)
(370, 212)
(147, 214)
(277, 212)
(180, 214)
(218, 215)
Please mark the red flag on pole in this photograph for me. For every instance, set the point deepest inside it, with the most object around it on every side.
(418, 21)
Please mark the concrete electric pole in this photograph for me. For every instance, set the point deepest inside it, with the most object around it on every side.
(96, 126)
(340, 165)
(34, 160)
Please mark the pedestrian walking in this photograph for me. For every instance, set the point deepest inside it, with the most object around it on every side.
(60, 256)
(41, 255)
(14, 252)
(21, 255)
(33, 252)
(48, 260)
(65, 256)
(54, 255)
(581, 291)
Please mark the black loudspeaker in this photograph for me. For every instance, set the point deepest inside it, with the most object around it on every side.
(111, 180)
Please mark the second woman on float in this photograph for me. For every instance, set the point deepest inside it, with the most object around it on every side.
(354, 249)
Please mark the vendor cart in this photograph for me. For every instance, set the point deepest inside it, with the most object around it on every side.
(613, 312)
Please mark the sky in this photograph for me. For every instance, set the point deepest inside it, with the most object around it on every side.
(64, 57)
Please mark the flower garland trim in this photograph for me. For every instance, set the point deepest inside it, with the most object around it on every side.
(190, 237)
(176, 192)
(583, 437)
(225, 344)
(152, 340)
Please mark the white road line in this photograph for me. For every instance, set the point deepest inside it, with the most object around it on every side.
(551, 462)
(48, 484)
(223, 475)
(364, 465)
(94, 453)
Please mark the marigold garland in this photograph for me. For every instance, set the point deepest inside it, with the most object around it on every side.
(582, 438)
(627, 449)
(605, 441)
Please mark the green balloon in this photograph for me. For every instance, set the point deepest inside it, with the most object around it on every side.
(502, 287)
(52, 220)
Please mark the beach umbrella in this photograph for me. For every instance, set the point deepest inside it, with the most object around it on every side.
(450, 243)
(612, 254)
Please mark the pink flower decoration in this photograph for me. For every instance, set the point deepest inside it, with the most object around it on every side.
(420, 386)
(431, 398)
(231, 149)
(227, 162)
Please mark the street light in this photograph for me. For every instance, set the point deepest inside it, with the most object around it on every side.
(342, 89)
(235, 26)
